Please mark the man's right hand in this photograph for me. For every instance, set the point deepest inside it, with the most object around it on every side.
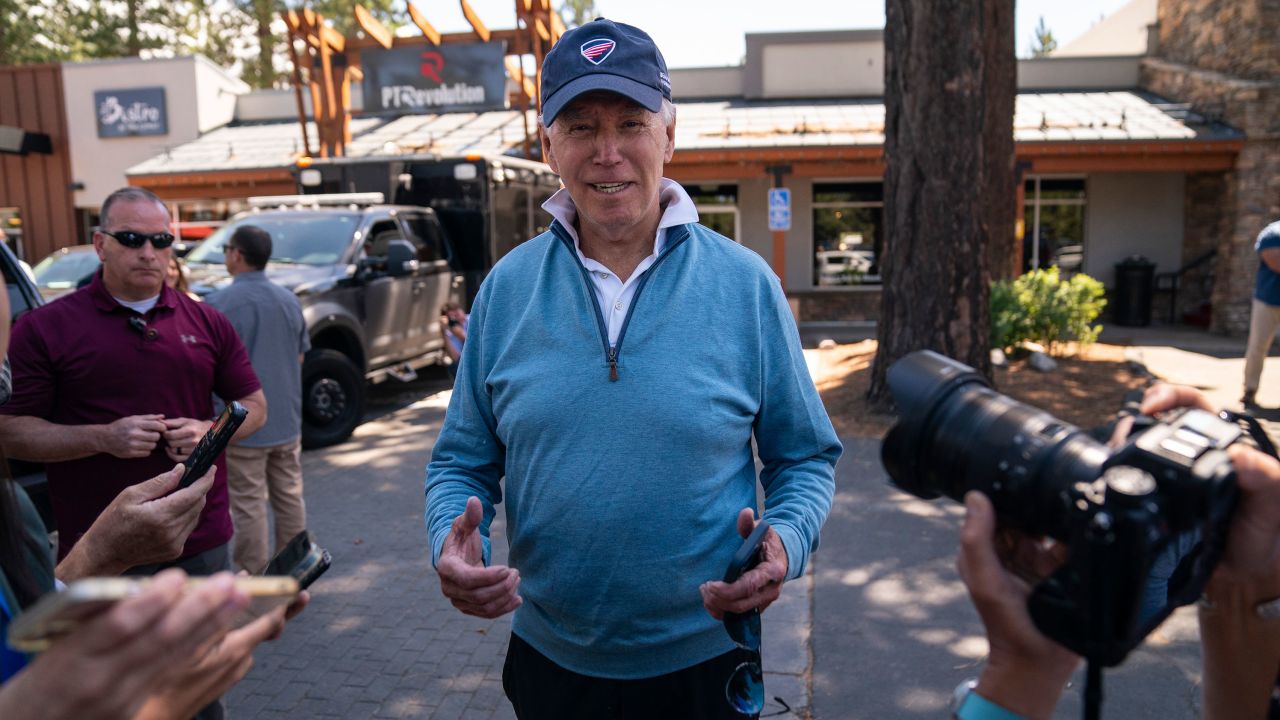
(135, 436)
(146, 523)
(486, 592)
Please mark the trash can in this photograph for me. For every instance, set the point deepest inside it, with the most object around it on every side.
(1135, 281)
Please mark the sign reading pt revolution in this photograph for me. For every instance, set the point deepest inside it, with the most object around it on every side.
(431, 79)
(126, 113)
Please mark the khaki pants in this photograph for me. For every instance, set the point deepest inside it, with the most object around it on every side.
(1262, 330)
(254, 476)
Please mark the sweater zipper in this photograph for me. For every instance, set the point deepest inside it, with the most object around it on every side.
(611, 352)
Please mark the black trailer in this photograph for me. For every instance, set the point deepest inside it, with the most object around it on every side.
(487, 204)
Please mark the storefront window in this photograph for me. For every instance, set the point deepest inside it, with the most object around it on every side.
(848, 233)
(717, 207)
(1054, 217)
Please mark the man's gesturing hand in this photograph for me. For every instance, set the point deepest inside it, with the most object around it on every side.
(486, 592)
(758, 587)
(134, 436)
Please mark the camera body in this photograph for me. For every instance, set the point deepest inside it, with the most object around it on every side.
(1143, 526)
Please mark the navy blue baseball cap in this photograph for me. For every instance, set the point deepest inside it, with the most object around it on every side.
(603, 55)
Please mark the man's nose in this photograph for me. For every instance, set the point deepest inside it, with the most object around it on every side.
(608, 146)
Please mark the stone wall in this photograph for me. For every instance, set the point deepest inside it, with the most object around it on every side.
(1223, 57)
(1235, 37)
(1208, 197)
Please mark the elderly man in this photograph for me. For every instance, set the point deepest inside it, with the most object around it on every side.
(113, 384)
(616, 372)
(266, 466)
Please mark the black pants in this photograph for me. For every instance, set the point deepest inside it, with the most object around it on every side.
(539, 689)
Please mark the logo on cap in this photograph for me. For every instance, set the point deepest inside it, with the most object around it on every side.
(597, 50)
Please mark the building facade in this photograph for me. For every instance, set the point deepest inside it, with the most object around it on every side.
(1168, 152)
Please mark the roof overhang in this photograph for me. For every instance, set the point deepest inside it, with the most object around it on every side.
(1039, 157)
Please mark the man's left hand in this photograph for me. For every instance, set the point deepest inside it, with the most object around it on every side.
(758, 587)
(181, 435)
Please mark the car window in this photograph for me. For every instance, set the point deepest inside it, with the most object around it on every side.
(299, 238)
(424, 233)
(19, 303)
(65, 270)
(380, 237)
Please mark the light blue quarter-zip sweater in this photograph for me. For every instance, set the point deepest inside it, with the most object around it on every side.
(626, 466)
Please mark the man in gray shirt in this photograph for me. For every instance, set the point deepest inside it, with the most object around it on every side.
(267, 464)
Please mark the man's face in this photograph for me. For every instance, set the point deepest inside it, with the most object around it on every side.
(134, 273)
(609, 151)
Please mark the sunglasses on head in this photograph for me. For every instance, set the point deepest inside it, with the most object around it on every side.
(135, 240)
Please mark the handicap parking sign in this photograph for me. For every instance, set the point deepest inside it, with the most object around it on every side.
(779, 209)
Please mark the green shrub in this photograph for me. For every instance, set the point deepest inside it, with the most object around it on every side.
(1041, 307)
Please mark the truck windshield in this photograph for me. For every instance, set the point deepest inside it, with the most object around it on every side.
(296, 237)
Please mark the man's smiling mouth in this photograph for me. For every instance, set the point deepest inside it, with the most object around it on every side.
(609, 187)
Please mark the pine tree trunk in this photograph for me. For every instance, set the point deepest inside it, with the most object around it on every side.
(949, 185)
(264, 13)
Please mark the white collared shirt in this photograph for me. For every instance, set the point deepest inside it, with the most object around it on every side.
(613, 294)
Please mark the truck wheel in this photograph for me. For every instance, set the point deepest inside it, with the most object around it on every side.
(332, 398)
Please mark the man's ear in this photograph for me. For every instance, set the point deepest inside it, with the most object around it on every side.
(548, 155)
(98, 241)
(671, 141)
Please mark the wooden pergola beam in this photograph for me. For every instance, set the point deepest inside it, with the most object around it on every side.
(477, 24)
(372, 27)
(428, 30)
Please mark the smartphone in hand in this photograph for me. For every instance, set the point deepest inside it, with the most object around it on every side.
(747, 555)
(213, 443)
(59, 613)
(301, 559)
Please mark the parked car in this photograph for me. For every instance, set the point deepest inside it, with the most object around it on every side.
(372, 279)
(842, 267)
(64, 270)
(23, 296)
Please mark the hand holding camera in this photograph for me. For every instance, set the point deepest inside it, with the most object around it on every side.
(1142, 529)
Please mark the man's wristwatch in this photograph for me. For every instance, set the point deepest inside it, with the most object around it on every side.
(969, 705)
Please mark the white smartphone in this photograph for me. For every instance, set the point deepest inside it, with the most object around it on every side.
(59, 613)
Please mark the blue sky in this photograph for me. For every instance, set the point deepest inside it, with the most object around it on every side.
(704, 33)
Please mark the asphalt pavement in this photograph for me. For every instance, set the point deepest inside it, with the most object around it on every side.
(879, 628)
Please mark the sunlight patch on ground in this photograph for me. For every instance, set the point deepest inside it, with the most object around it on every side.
(974, 647)
(438, 401)
(911, 596)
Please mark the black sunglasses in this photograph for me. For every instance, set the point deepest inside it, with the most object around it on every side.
(135, 240)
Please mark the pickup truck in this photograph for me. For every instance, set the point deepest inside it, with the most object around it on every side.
(372, 279)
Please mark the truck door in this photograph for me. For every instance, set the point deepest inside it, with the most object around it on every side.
(388, 301)
(433, 281)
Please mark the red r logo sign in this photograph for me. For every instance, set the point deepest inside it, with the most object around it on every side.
(432, 64)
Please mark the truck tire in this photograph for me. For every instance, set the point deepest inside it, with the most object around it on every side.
(332, 398)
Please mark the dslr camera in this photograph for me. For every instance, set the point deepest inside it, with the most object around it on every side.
(1143, 526)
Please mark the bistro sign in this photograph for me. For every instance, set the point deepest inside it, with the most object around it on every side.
(431, 79)
(132, 112)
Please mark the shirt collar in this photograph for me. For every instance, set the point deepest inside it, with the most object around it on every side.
(677, 209)
(103, 300)
(250, 276)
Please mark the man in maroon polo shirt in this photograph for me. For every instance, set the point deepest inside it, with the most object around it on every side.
(113, 384)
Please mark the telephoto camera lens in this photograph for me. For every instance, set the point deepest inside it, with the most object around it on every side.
(956, 434)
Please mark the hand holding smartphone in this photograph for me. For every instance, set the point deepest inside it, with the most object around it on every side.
(60, 613)
(301, 559)
(213, 443)
(747, 555)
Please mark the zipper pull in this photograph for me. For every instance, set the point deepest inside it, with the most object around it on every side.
(613, 365)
